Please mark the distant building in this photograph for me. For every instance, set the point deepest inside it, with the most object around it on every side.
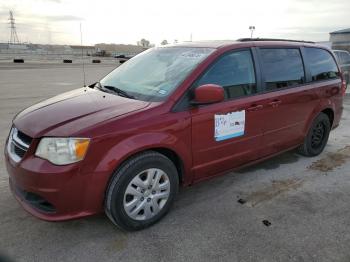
(86, 50)
(75, 50)
(4, 46)
(340, 39)
(18, 46)
(72, 50)
(118, 49)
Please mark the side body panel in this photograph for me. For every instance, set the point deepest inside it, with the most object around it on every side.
(286, 121)
(210, 156)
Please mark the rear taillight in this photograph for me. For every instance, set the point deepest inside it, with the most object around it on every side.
(343, 85)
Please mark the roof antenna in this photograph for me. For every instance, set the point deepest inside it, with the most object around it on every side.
(82, 53)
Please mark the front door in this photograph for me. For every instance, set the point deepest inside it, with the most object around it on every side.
(229, 133)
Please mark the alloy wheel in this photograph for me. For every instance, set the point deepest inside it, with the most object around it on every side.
(318, 135)
(146, 194)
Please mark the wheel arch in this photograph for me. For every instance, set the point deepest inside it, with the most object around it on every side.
(174, 157)
(326, 108)
(169, 153)
(170, 146)
(330, 113)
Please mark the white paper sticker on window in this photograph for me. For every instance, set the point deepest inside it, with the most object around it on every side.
(229, 125)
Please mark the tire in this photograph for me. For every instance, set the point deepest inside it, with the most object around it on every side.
(127, 206)
(317, 136)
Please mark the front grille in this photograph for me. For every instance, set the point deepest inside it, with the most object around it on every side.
(19, 151)
(18, 144)
(22, 136)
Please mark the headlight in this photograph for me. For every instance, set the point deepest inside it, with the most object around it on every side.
(62, 151)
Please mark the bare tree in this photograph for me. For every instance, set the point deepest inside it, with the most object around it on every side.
(144, 43)
(164, 42)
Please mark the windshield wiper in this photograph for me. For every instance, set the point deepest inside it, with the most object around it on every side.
(119, 91)
(114, 89)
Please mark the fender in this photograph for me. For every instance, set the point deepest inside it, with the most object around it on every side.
(323, 105)
(97, 179)
(130, 146)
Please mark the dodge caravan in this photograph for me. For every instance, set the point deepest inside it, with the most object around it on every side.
(170, 117)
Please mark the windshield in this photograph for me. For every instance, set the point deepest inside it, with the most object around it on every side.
(156, 73)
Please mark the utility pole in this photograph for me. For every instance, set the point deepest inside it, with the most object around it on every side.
(13, 36)
(251, 28)
(82, 55)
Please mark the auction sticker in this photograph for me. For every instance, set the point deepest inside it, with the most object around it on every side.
(229, 125)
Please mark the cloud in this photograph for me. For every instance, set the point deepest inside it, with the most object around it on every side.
(63, 18)
(57, 21)
(55, 1)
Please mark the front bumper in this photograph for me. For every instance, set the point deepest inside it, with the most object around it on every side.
(54, 193)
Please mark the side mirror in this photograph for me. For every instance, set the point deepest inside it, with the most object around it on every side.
(208, 94)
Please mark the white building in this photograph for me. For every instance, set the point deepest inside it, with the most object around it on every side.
(340, 39)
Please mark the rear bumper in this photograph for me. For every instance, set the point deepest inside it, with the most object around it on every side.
(54, 193)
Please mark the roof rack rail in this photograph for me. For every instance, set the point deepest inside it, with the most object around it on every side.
(273, 39)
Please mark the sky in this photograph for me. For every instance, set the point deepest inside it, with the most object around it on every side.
(127, 21)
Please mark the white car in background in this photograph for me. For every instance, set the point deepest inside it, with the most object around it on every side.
(343, 58)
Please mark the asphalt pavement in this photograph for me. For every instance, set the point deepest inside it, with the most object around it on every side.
(288, 208)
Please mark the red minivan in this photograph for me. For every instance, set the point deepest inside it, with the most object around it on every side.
(169, 117)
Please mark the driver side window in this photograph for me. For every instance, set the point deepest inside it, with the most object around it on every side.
(234, 72)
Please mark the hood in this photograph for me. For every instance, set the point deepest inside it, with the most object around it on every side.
(69, 113)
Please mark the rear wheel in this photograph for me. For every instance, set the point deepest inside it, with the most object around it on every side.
(317, 137)
(142, 191)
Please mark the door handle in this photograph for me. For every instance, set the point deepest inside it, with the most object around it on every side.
(255, 108)
(275, 103)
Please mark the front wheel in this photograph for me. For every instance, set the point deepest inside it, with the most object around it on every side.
(317, 137)
(142, 191)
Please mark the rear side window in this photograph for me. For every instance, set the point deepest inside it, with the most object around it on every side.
(321, 63)
(234, 72)
(283, 67)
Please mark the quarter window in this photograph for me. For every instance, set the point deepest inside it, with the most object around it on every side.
(234, 72)
(283, 67)
(321, 63)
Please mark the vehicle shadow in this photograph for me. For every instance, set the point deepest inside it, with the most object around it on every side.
(230, 182)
